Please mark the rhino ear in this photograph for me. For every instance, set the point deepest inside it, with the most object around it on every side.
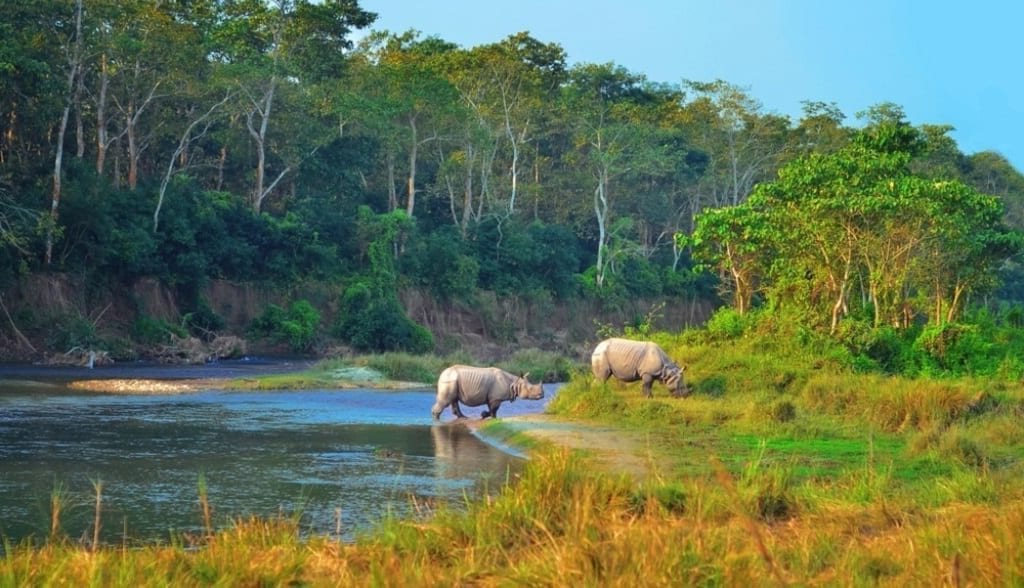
(526, 375)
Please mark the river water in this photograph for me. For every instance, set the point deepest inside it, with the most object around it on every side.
(314, 454)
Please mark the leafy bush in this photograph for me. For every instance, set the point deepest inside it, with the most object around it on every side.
(203, 321)
(298, 327)
(74, 331)
(373, 322)
(152, 331)
(439, 263)
(726, 323)
(954, 349)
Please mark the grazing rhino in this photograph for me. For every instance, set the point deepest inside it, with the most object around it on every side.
(474, 386)
(630, 361)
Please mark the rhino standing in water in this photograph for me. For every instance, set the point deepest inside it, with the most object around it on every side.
(630, 361)
(474, 386)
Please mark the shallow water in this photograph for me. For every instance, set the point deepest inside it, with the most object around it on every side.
(304, 453)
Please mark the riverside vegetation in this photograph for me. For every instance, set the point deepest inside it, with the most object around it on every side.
(792, 463)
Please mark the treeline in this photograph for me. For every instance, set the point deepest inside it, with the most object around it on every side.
(257, 141)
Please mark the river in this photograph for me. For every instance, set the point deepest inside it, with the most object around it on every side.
(313, 454)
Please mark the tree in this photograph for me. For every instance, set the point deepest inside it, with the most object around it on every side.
(611, 137)
(745, 146)
(820, 129)
(860, 216)
(411, 100)
(733, 239)
(73, 54)
(272, 45)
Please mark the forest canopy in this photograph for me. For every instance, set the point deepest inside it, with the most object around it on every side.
(255, 141)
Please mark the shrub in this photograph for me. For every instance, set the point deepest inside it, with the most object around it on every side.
(74, 331)
(298, 327)
(203, 322)
(377, 323)
(726, 323)
(954, 349)
(152, 331)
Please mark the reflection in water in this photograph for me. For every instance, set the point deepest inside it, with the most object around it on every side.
(312, 452)
(460, 455)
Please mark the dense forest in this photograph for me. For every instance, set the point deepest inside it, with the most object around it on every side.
(287, 142)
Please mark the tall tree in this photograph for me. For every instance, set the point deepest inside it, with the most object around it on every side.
(73, 54)
(611, 138)
(282, 42)
(744, 144)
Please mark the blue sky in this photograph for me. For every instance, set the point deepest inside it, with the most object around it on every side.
(944, 62)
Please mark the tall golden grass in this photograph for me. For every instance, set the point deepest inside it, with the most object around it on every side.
(565, 524)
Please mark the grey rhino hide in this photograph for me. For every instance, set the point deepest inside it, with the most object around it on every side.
(475, 386)
(630, 361)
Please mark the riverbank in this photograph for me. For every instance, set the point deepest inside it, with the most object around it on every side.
(613, 450)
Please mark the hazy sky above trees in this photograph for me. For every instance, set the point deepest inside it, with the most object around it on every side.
(944, 62)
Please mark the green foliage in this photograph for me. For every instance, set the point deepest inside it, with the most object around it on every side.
(439, 263)
(152, 331)
(371, 317)
(372, 323)
(203, 321)
(74, 331)
(858, 218)
(519, 258)
(298, 326)
(726, 323)
(954, 348)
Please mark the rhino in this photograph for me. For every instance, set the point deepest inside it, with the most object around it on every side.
(474, 386)
(630, 361)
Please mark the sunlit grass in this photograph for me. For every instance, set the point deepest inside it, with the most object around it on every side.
(563, 523)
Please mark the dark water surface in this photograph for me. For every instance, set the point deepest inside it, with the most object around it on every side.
(312, 452)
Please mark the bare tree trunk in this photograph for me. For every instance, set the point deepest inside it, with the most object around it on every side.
(221, 161)
(467, 189)
(117, 165)
(410, 201)
(56, 193)
(183, 143)
(101, 117)
(79, 125)
(392, 191)
(133, 113)
(263, 107)
(133, 147)
(74, 65)
(601, 212)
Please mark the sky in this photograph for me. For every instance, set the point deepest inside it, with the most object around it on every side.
(943, 62)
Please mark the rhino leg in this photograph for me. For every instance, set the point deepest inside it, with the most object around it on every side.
(456, 410)
(648, 380)
(492, 410)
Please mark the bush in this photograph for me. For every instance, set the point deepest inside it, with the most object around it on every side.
(74, 331)
(203, 322)
(298, 327)
(727, 323)
(954, 349)
(377, 323)
(151, 331)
